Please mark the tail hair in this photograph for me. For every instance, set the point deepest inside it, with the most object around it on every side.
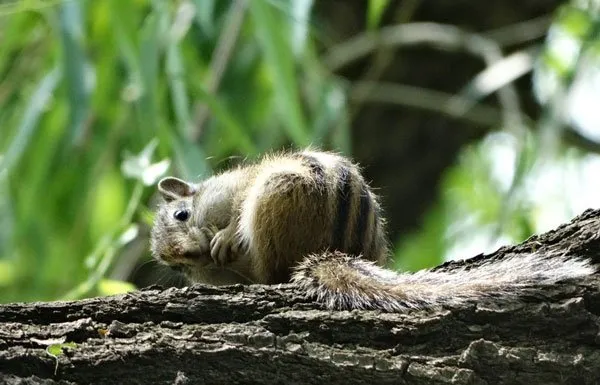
(341, 281)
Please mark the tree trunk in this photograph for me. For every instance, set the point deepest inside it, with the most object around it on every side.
(273, 334)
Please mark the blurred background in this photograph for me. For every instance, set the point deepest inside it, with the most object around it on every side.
(476, 121)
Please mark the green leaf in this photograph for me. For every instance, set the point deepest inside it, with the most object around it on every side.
(190, 159)
(112, 287)
(425, 248)
(56, 350)
(205, 15)
(229, 122)
(182, 20)
(77, 73)
(329, 111)
(123, 29)
(8, 273)
(29, 123)
(575, 21)
(301, 24)
(179, 96)
(108, 204)
(280, 60)
(11, 8)
(375, 12)
(7, 227)
(147, 104)
(128, 235)
(141, 167)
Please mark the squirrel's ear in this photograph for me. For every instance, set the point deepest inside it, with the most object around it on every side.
(173, 188)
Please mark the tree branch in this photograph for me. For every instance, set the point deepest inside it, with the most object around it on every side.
(273, 334)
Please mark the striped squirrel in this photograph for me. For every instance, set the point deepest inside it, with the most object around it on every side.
(309, 217)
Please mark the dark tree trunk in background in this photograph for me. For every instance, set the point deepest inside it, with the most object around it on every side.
(273, 335)
(419, 146)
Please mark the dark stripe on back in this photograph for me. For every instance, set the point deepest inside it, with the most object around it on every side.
(370, 249)
(343, 207)
(316, 168)
(362, 221)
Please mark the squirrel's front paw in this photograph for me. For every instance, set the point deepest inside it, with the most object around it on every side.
(226, 246)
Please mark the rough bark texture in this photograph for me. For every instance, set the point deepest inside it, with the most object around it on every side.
(268, 335)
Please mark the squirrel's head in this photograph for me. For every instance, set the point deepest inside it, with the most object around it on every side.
(177, 239)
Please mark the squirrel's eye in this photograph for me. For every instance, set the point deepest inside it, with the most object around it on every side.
(181, 215)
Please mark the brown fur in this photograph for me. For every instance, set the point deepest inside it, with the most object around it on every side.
(310, 218)
(294, 209)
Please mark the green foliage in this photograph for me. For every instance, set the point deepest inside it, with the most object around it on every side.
(187, 86)
(85, 82)
(375, 12)
(56, 349)
(492, 196)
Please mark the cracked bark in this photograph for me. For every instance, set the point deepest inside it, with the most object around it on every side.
(266, 335)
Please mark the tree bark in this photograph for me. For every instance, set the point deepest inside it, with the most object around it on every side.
(274, 335)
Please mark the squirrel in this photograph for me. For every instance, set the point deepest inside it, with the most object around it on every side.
(310, 218)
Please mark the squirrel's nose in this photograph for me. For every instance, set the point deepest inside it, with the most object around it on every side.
(193, 255)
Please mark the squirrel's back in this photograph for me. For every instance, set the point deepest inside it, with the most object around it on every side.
(308, 202)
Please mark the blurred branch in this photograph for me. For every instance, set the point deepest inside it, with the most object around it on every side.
(220, 59)
(521, 32)
(107, 247)
(440, 35)
(445, 36)
(384, 55)
(444, 103)
(426, 99)
(494, 77)
(574, 138)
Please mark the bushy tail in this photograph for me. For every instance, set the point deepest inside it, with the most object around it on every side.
(340, 281)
